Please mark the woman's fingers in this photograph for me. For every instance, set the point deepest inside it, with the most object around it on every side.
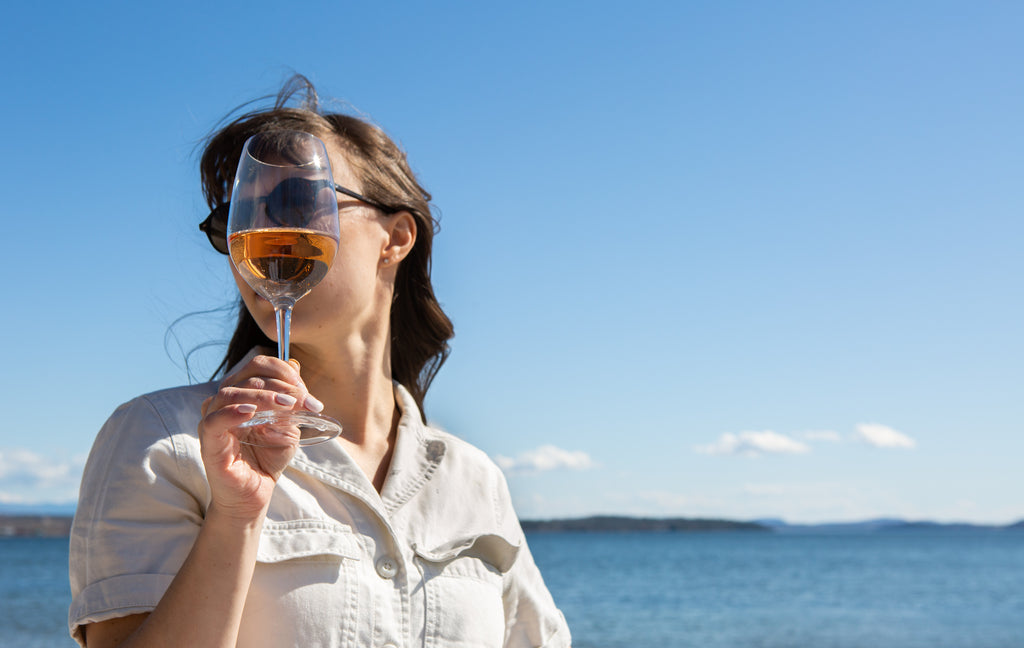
(264, 383)
(267, 367)
(228, 416)
(263, 396)
(264, 373)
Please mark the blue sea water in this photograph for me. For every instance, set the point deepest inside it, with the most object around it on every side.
(906, 589)
(34, 593)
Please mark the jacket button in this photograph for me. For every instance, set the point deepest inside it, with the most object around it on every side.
(386, 567)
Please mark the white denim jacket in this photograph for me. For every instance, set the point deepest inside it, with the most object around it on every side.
(437, 558)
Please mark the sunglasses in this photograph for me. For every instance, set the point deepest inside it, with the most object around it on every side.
(284, 205)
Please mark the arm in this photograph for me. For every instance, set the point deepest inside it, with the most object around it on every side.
(204, 603)
(203, 606)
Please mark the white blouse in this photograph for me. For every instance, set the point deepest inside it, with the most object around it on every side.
(437, 558)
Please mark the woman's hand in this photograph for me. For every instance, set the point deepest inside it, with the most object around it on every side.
(242, 477)
(203, 605)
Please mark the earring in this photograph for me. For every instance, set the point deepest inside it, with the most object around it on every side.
(387, 260)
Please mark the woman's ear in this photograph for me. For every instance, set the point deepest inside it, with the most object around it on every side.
(401, 229)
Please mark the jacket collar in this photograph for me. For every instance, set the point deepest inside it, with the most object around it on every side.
(417, 454)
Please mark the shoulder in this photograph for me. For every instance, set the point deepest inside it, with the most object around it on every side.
(446, 455)
(466, 472)
(160, 422)
(169, 402)
(158, 428)
(169, 411)
(467, 464)
(458, 449)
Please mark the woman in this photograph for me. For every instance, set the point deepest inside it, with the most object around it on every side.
(394, 534)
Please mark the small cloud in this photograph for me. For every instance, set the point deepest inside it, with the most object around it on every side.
(28, 477)
(544, 458)
(822, 435)
(754, 443)
(25, 464)
(883, 436)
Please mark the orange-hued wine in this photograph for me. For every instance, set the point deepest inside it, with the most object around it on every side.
(282, 263)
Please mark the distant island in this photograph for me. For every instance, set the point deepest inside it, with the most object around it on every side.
(38, 526)
(616, 523)
(885, 525)
(19, 524)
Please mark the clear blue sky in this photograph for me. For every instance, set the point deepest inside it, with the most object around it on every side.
(730, 259)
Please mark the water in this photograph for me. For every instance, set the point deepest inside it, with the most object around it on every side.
(927, 589)
(913, 589)
(34, 593)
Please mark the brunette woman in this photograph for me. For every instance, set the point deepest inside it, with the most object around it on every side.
(393, 534)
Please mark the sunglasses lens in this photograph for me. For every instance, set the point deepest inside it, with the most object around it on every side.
(220, 243)
(291, 202)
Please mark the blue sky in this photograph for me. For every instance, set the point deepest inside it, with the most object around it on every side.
(727, 259)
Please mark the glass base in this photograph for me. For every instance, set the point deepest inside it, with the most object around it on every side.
(273, 429)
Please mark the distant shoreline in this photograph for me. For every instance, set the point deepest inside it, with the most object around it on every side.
(616, 523)
(55, 526)
(35, 526)
(612, 523)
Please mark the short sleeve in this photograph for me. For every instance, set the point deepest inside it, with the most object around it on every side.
(141, 503)
(532, 619)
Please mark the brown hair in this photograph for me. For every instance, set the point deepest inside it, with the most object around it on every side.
(420, 330)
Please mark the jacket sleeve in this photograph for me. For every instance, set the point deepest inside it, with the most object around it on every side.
(141, 503)
(532, 619)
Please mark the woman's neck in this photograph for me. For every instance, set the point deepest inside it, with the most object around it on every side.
(352, 377)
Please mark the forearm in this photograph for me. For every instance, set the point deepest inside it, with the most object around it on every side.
(203, 606)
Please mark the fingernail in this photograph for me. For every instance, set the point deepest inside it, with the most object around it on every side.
(312, 404)
(286, 399)
(246, 408)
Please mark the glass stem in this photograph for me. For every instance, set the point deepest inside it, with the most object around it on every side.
(284, 327)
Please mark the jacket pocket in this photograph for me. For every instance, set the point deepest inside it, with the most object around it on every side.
(463, 582)
(305, 569)
(306, 539)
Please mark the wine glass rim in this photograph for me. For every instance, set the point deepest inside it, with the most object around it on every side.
(317, 160)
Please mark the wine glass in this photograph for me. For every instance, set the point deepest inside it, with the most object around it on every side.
(283, 233)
